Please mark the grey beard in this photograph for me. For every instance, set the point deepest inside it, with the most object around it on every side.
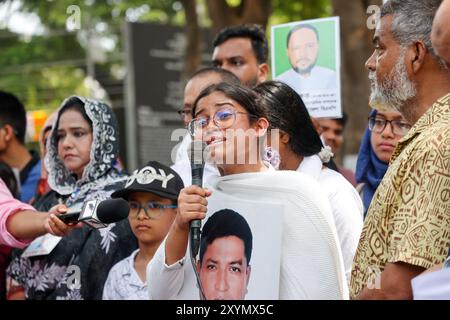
(395, 91)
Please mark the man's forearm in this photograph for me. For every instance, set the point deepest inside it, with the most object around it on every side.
(379, 294)
(367, 294)
(395, 283)
(27, 224)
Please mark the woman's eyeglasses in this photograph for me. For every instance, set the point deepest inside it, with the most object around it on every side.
(399, 127)
(152, 210)
(223, 119)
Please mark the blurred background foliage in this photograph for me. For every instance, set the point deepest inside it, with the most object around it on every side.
(50, 64)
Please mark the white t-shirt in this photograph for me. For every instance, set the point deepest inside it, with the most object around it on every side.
(123, 282)
(311, 259)
(182, 165)
(345, 203)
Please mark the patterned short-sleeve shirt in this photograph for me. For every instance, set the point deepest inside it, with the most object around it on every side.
(123, 282)
(409, 217)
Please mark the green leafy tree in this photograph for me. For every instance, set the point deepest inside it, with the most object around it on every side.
(44, 69)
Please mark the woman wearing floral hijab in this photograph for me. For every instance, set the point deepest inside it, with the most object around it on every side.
(82, 165)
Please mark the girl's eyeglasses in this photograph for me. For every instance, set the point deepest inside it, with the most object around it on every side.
(223, 119)
(399, 127)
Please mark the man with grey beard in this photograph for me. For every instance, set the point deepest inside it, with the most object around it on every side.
(407, 226)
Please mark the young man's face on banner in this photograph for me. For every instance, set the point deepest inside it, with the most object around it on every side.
(224, 272)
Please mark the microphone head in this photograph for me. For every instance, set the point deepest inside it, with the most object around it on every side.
(196, 152)
(112, 210)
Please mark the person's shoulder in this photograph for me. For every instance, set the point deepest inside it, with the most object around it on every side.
(433, 142)
(439, 132)
(324, 71)
(333, 177)
(292, 182)
(336, 182)
(36, 170)
(287, 176)
(117, 279)
(287, 75)
(277, 180)
(276, 184)
(122, 267)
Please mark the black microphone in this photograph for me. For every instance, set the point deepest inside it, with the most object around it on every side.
(195, 152)
(98, 214)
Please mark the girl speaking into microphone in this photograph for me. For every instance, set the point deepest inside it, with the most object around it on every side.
(311, 261)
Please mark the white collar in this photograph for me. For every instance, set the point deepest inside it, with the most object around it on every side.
(134, 274)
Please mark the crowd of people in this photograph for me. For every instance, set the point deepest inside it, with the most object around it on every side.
(380, 229)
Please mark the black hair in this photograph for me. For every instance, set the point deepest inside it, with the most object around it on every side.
(244, 96)
(76, 104)
(342, 121)
(253, 32)
(12, 112)
(73, 103)
(286, 111)
(226, 223)
(299, 27)
(225, 75)
(9, 178)
(412, 21)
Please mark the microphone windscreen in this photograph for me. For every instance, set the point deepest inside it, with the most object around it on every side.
(112, 210)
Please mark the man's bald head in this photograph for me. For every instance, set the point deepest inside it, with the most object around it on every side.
(440, 36)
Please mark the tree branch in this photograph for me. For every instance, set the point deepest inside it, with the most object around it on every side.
(256, 11)
(356, 48)
(221, 14)
(193, 54)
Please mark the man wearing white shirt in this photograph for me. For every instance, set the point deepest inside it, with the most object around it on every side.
(303, 51)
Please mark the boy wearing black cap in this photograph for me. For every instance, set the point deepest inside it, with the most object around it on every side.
(152, 194)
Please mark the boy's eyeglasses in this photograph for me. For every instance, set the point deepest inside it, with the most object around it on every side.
(223, 119)
(399, 127)
(152, 210)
